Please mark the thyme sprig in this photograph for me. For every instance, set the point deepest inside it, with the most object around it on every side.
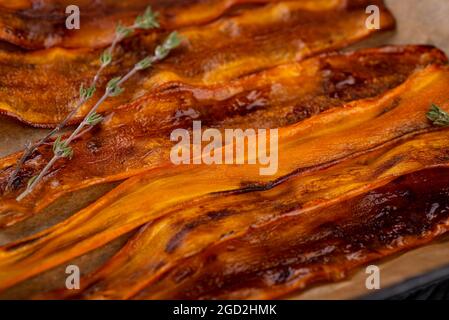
(61, 148)
(148, 20)
(438, 116)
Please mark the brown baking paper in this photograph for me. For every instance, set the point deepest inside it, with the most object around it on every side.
(419, 22)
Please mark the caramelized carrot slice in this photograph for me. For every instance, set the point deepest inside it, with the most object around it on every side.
(40, 24)
(136, 137)
(320, 245)
(312, 145)
(167, 247)
(39, 87)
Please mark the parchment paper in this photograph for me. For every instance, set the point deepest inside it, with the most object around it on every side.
(419, 22)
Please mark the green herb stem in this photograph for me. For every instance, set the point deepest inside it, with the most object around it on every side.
(145, 21)
(62, 148)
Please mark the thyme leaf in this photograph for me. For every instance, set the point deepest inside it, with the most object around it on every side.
(438, 116)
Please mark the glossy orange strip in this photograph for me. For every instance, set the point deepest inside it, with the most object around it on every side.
(327, 139)
(166, 248)
(135, 138)
(227, 49)
(40, 24)
(316, 246)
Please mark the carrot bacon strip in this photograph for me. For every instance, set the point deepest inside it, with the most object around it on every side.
(156, 253)
(37, 24)
(314, 144)
(209, 55)
(136, 137)
(319, 245)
